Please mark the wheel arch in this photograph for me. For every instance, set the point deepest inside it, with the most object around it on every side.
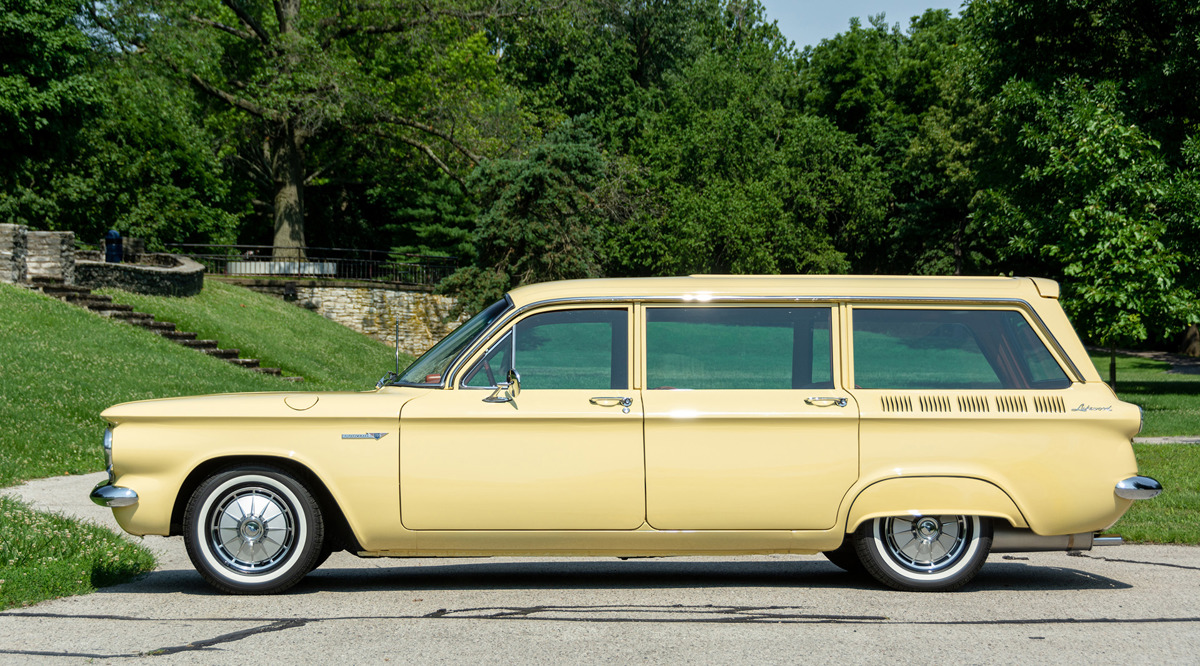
(933, 495)
(337, 528)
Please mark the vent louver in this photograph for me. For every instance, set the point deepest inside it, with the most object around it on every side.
(896, 403)
(1011, 404)
(972, 404)
(935, 403)
(1049, 405)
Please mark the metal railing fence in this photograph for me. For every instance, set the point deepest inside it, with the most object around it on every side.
(317, 262)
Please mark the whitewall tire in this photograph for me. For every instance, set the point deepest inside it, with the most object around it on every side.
(253, 530)
(924, 553)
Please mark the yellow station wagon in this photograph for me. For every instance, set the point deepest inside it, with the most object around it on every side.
(902, 426)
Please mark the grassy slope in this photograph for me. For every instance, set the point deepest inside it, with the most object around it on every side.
(328, 355)
(60, 366)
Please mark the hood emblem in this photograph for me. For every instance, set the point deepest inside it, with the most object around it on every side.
(366, 435)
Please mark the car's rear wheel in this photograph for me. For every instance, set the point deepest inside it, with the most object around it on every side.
(253, 530)
(924, 553)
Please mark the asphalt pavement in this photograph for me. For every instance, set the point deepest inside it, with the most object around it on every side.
(1128, 603)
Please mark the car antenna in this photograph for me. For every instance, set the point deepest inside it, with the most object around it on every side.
(397, 345)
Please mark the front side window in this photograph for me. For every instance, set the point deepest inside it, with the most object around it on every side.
(738, 348)
(563, 349)
(950, 349)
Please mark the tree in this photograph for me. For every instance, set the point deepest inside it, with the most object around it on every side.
(47, 92)
(540, 220)
(1089, 207)
(306, 86)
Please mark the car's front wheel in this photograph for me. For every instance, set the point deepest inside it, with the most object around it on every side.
(253, 530)
(924, 553)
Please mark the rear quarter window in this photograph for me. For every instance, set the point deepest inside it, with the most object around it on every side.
(950, 349)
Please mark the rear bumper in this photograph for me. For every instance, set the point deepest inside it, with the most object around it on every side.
(1138, 488)
(106, 494)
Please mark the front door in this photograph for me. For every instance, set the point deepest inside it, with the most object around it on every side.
(747, 426)
(565, 453)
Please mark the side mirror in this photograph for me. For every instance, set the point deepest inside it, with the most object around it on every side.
(514, 383)
(511, 388)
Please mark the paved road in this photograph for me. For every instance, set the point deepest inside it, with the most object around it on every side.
(1114, 604)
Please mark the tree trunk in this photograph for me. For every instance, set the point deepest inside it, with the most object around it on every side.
(289, 197)
(1191, 341)
(1112, 368)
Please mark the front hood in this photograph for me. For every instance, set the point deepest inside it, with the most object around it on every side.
(382, 403)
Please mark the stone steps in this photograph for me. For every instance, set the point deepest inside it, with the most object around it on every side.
(105, 307)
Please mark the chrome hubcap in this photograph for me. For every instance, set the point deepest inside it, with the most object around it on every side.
(252, 530)
(926, 543)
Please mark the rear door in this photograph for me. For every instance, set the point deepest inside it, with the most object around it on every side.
(747, 426)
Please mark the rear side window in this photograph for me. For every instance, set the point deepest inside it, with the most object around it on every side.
(738, 348)
(950, 349)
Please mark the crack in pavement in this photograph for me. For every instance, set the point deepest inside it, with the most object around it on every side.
(1115, 559)
(706, 614)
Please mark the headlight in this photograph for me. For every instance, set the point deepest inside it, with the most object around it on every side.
(108, 465)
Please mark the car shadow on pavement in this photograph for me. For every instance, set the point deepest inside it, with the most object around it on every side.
(557, 574)
(615, 575)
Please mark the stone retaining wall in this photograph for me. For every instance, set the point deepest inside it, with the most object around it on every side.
(369, 309)
(50, 254)
(13, 249)
(158, 274)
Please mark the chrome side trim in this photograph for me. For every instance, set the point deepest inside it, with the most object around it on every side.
(1138, 488)
(106, 494)
(1007, 539)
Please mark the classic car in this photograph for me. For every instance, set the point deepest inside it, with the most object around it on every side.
(906, 427)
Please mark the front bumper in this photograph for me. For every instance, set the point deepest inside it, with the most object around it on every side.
(106, 494)
(1138, 488)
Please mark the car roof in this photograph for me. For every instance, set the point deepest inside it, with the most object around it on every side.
(801, 287)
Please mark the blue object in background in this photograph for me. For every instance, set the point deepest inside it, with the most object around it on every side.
(113, 250)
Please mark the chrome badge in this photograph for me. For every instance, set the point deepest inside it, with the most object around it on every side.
(366, 435)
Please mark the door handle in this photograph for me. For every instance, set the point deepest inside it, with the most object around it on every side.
(613, 401)
(826, 401)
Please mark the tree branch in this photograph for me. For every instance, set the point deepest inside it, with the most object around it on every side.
(247, 19)
(222, 27)
(233, 100)
(429, 17)
(430, 129)
(428, 152)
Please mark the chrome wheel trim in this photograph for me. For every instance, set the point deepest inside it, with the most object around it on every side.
(959, 537)
(926, 544)
(252, 530)
(208, 552)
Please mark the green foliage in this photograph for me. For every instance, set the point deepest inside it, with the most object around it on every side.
(1088, 203)
(44, 556)
(540, 220)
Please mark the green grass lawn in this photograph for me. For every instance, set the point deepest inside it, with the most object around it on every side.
(1171, 405)
(281, 335)
(60, 366)
(1171, 402)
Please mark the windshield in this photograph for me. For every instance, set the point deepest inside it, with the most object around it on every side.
(432, 366)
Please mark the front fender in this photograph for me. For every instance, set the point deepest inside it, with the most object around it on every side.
(932, 495)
